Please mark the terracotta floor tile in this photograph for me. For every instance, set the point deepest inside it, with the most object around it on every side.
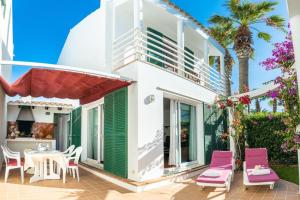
(91, 187)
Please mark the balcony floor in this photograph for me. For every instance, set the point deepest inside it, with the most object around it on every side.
(91, 187)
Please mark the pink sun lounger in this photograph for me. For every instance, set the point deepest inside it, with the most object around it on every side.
(220, 171)
(258, 157)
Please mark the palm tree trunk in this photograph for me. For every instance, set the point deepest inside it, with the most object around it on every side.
(257, 105)
(228, 62)
(228, 84)
(243, 74)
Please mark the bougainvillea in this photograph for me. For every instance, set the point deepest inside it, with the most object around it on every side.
(237, 107)
(287, 91)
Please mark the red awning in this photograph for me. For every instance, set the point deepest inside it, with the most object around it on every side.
(63, 84)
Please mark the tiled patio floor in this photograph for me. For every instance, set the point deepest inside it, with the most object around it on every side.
(93, 188)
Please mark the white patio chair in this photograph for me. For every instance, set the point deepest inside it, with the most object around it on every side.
(12, 161)
(72, 162)
(10, 151)
(69, 150)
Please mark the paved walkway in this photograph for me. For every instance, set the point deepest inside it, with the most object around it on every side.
(91, 187)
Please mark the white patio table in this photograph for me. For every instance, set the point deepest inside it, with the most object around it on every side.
(40, 160)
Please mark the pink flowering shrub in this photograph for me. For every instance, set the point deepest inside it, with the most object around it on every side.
(287, 93)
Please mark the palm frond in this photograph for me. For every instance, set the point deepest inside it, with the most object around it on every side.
(259, 10)
(224, 33)
(265, 36)
(234, 7)
(218, 19)
(276, 21)
(265, 6)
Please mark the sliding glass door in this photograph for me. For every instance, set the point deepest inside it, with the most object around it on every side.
(180, 145)
(188, 135)
(94, 135)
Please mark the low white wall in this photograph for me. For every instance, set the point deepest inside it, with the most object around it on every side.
(39, 113)
(145, 121)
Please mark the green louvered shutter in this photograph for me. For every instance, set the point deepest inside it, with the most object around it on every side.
(207, 112)
(75, 127)
(115, 132)
(154, 36)
(215, 123)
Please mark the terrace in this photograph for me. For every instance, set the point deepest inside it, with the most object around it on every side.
(91, 187)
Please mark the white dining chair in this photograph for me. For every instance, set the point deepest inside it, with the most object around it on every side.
(69, 150)
(11, 151)
(12, 161)
(72, 162)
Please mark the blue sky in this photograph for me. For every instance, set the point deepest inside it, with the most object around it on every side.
(41, 27)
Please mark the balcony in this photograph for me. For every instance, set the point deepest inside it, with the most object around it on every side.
(162, 52)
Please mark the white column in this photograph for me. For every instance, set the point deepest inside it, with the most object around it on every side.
(231, 131)
(180, 43)
(200, 134)
(109, 31)
(138, 14)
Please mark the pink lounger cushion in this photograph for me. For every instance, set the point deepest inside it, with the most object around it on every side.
(224, 174)
(272, 177)
(221, 159)
(258, 156)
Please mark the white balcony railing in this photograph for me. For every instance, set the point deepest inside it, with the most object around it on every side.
(164, 53)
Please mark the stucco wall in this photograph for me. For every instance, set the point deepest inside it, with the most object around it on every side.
(85, 44)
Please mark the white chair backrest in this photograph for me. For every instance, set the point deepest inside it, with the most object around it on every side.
(77, 151)
(9, 150)
(70, 149)
(4, 150)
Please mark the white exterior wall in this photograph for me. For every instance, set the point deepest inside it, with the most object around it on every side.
(39, 113)
(145, 122)
(85, 44)
(6, 53)
(89, 45)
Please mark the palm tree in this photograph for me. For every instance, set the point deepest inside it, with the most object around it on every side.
(224, 33)
(245, 15)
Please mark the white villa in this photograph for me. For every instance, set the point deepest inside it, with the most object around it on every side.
(161, 123)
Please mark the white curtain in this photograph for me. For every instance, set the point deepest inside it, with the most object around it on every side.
(174, 153)
(193, 135)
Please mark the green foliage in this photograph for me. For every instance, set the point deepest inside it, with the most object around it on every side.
(263, 130)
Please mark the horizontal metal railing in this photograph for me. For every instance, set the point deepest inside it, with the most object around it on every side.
(166, 54)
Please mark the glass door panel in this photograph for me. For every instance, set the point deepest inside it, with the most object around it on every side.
(188, 134)
(93, 139)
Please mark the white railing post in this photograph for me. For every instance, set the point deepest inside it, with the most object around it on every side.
(137, 26)
(180, 43)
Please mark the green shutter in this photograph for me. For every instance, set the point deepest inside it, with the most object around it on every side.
(115, 132)
(153, 37)
(189, 60)
(75, 129)
(215, 123)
